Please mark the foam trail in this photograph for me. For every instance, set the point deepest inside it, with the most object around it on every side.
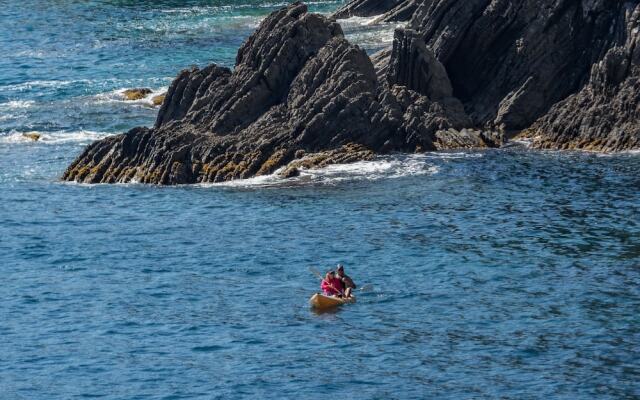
(383, 167)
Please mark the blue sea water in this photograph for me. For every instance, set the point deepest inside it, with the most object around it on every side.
(506, 273)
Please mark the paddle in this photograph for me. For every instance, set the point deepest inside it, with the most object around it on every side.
(366, 288)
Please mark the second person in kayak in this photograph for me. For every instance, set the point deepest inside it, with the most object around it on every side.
(347, 284)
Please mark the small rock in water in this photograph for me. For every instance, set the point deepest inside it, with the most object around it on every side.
(136, 93)
(35, 136)
(158, 100)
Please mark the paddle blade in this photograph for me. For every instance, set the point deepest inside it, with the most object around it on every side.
(366, 288)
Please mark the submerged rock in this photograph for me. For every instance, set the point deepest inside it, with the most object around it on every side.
(158, 100)
(345, 154)
(35, 136)
(136, 94)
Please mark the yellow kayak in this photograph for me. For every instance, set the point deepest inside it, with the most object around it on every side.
(321, 302)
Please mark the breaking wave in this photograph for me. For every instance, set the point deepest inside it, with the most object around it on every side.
(368, 33)
(383, 167)
(36, 137)
(117, 96)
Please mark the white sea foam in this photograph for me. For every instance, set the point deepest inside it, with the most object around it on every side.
(384, 167)
(519, 143)
(16, 104)
(450, 155)
(369, 32)
(80, 137)
(40, 84)
(226, 8)
(614, 154)
(359, 21)
(117, 96)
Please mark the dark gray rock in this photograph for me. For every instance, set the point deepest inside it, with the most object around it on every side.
(567, 64)
(415, 67)
(510, 61)
(605, 114)
(298, 87)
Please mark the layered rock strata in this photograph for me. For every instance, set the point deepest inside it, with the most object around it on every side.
(605, 114)
(563, 71)
(299, 88)
(462, 74)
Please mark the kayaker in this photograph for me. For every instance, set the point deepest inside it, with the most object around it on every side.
(331, 285)
(346, 282)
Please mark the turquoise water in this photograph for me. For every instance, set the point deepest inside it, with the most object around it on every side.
(497, 274)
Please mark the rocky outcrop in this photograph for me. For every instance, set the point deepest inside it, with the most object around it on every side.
(463, 74)
(299, 90)
(563, 68)
(510, 61)
(605, 114)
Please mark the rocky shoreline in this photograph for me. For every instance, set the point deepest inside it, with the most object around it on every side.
(462, 74)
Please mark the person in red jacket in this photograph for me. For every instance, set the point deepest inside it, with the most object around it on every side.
(332, 285)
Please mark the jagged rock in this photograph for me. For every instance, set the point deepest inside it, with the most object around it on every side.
(298, 86)
(510, 61)
(605, 114)
(418, 93)
(136, 94)
(414, 66)
(467, 139)
(402, 12)
(464, 74)
(380, 62)
(186, 88)
(290, 172)
(419, 120)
